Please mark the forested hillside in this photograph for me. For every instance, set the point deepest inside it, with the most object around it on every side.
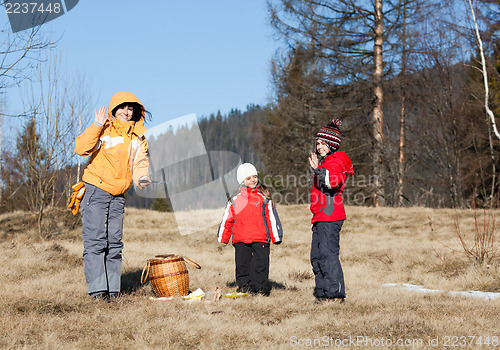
(179, 159)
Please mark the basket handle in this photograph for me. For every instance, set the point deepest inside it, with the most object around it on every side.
(191, 262)
(144, 279)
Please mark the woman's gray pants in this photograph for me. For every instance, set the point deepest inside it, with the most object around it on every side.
(102, 219)
(325, 249)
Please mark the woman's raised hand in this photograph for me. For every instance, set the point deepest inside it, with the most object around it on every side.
(313, 160)
(101, 116)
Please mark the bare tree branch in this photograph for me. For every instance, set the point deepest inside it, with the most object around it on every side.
(485, 74)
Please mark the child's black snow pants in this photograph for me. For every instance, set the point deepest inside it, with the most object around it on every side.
(325, 261)
(252, 267)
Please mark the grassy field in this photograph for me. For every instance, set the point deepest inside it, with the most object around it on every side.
(44, 305)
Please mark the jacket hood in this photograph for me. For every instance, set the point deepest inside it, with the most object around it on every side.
(122, 97)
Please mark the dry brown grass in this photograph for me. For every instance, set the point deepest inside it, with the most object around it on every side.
(44, 305)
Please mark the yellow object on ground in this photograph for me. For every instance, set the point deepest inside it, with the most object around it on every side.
(196, 295)
(234, 295)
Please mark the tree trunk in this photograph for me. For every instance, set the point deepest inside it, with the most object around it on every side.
(399, 198)
(484, 70)
(53, 199)
(378, 113)
(402, 118)
(79, 158)
(40, 222)
(493, 165)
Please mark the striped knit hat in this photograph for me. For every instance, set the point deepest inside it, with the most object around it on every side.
(331, 134)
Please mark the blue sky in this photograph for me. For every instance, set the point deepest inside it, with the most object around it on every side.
(178, 57)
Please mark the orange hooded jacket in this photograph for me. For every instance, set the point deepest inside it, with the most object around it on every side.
(119, 151)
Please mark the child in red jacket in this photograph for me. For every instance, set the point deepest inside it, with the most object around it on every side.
(330, 176)
(251, 218)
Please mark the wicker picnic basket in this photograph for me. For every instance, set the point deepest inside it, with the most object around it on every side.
(168, 274)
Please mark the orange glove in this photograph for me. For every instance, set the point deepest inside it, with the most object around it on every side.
(76, 197)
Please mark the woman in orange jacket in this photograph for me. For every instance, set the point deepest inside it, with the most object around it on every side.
(119, 155)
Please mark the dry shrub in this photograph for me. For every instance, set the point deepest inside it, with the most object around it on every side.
(58, 223)
(15, 224)
(484, 248)
(58, 256)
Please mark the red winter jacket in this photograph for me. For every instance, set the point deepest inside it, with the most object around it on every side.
(250, 217)
(328, 184)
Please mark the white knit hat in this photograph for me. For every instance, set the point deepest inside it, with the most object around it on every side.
(245, 170)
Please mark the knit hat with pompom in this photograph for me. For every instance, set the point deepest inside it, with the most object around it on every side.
(331, 134)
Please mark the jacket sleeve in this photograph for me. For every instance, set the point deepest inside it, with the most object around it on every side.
(276, 230)
(330, 176)
(88, 141)
(226, 226)
(141, 161)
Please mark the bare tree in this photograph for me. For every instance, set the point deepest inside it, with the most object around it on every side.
(489, 113)
(484, 70)
(475, 27)
(81, 102)
(398, 200)
(410, 19)
(378, 106)
(55, 106)
(18, 53)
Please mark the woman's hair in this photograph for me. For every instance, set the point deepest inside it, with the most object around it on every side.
(138, 111)
(264, 190)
